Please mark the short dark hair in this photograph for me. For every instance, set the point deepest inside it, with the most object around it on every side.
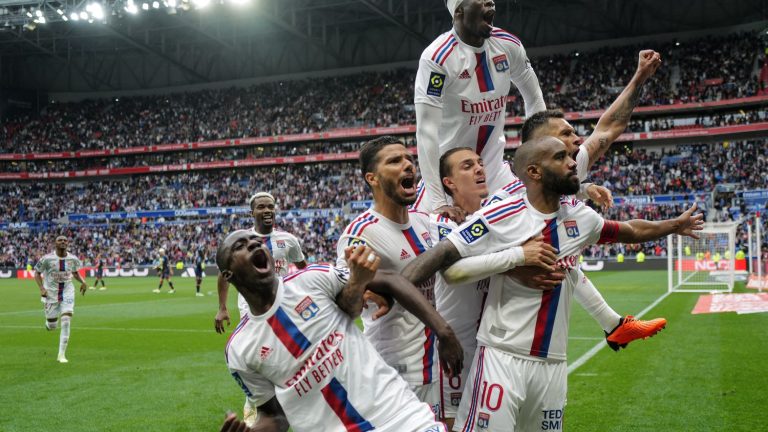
(536, 121)
(445, 169)
(369, 153)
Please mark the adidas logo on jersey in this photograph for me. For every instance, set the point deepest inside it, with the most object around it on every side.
(404, 255)
(465, 75)
(265, 352)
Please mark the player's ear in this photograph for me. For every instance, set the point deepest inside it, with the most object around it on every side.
(227, 274)
(371, 178)
(448, 183)
(533, 172)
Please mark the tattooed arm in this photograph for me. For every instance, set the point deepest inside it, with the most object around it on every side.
(616, 118)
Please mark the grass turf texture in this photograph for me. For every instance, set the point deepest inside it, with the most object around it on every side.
(152, 362)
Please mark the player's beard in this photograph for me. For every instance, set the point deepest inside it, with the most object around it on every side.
(390, 189)
(562, 185)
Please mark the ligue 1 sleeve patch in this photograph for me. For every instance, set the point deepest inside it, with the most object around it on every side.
(474, 232)
(435, 85)
(355, 241)
(443, 231)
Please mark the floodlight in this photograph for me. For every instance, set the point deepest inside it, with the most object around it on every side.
(59, 11)
(156, 4)
(84, 15)
(145, 6)
(131, 8)
(39, 13)
(96, 10)
(74, 16)
(64, 17)
(200, 4)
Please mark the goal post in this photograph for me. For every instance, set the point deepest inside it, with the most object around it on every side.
(706, 264)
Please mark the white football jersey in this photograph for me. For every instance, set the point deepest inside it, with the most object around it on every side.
(524, 320)
(57, 275)
(471, 86)
(403, 340)
(460, 304)
(285, 249)
(310, 355)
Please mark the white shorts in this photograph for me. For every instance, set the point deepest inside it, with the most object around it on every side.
(508, 393)
(452, 388)
(54, 309)
(412, 418)
(430, 395)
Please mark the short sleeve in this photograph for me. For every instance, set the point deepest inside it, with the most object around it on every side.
(344, 242)
(256, 387)
(294, 252)
(41, 267)
(334, 281)
(77, 264)
(600, 230)
(430, 84)
(493, 228)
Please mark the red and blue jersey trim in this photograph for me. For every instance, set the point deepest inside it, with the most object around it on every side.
(314, 267)
(484, 133)
(362, 222)
(505, 35)
(429, 355)
(444, 50)
(545, 321)
(413, 240)
(504, 211)
(514, 187)
(60, 294)
(288, 333)
(470, 423)
(483, 74)
(336, 396)
(243, 322)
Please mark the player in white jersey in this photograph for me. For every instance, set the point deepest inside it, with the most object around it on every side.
(53, 274)
(398, 236)
(461, 93)
(285, 248)
(518, 375)
(298, 356)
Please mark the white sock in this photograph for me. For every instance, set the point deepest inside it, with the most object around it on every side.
(64, 336)
(590, 299)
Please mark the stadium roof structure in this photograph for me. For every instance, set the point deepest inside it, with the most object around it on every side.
(111, 45)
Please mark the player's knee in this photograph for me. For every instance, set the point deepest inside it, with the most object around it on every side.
(50, 325)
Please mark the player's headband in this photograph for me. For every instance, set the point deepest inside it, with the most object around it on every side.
(452, 5)
(259, 195)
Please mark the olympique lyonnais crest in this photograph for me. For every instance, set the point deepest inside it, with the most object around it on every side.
(455, 399)
(571, 228)
(307, 308)
(280, 244)
(427, 238)
(501, 63)
(483, 420)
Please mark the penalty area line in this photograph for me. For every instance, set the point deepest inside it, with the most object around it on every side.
(595, 349)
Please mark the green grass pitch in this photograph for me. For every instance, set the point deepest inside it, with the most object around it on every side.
(151, 362)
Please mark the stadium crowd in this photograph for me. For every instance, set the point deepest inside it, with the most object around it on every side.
(589, 81)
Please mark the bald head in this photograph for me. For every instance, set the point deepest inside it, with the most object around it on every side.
(534, 152)
(224, 251)
(546, 164)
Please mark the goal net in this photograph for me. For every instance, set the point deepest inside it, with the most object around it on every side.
(706, 264)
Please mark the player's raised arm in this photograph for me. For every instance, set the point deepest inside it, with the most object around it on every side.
(615, 120)
(362, 263)
(428, 119)
(639, 230)
(526, 81)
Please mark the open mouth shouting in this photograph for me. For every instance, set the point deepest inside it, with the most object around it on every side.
(260, 259)
(488, 17)
(408, 184)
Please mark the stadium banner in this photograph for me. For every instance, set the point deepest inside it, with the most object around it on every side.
(25, 225)
(512, 143)
(207, 211)
(362, 133)
(360, 205)
(693, 265)
(212, 270)
(755, 197)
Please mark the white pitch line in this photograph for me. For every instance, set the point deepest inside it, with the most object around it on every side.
(92, 306)
(595, 349)
(125, 329)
